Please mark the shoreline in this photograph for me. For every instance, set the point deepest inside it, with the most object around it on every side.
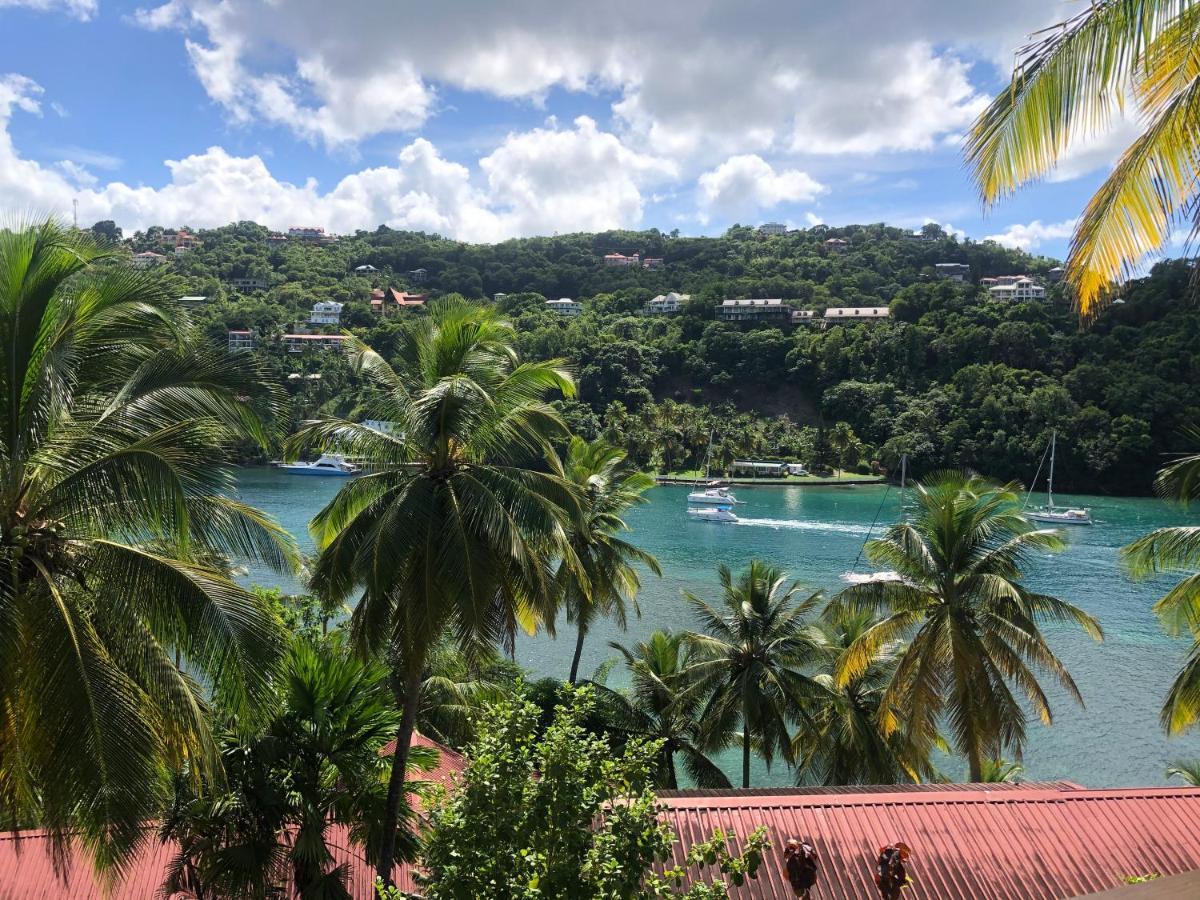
(793, 481)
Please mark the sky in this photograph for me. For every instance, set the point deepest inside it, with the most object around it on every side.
(485, 121)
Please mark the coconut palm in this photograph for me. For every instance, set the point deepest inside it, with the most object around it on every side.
(975, 629)
(663, 703)
(116, 422)
(1173, 550)
(456, 687)
(1188, 772)
(1001, 771)
(461, 516)
(609, 487)
(1069, 82)
(751, 659)
(844, 741)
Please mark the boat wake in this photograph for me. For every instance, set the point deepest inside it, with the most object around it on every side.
(798, 525)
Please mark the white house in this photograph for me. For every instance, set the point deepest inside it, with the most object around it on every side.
(326, 312)
(953, 271)
(365, 270)
(249, 284)
(836, 314)
(754, 309)
(1020, 289)
(148, 259)
(804, 316)
(565, 306)
(298, 343)
(772, 228)
(620, 259)
(241, 339)
(665, 304)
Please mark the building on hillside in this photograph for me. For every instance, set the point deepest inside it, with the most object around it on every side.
(384, 302)
(248, 284)
(1056, 274)
(920, 237)
(298, 343)
(1030, 841)
(565, 306)
(365, 270)
(804, 316)
(326, 312)
(185, 241)
(276, 237)
(840, 315)
(953, 271)
(754, 310)
(498, 296)
(417, 276)
(772, 228)
(241, 339)
(310, 234)
(620, 259)
(1022, 288)
(836, 245)
(148, 259)
(665, 304)
(31, 871)
(653, 262)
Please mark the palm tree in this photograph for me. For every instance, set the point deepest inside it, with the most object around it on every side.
(751, 659)
(1188, 772)
(461, 516)
(608, 487)
(974, 626)
(845, 742)
(116, 422)
(1001, 771)
(663, 703)
(1068, 83)
(1173, 550)
(457, 687)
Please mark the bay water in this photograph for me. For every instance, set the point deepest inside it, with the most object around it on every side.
(815, 534)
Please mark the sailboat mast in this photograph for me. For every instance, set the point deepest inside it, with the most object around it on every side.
(903, 480)
(1050, 479)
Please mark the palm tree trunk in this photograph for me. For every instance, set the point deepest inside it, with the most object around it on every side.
(745, 756)
(580, 635)
(391, 812)
(975, 762)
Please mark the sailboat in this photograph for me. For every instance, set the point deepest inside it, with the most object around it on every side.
(888, 575)
(713, 494)
(1050, 513)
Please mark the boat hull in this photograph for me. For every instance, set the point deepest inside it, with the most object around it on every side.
(320, 473)
(708, 500)
(704, 514)
(1052, 519)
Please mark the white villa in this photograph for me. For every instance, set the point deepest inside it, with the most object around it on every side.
(565, 306)
(772, 228)
(147, 259)
(326, 312)
(1018, 288)
(665, 304)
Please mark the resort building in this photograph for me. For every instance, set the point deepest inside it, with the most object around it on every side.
(653, 262)
(1022, 288)
(1056, 274)
(754, 310)
(298, 343)
(665, 304)
(758, 468)
(837, 315)
(310, 235)
(384, 302)
(248, 284)
(565, 306)
(772, 228)
(804, 316)
(276, 237)
(417, 276)
(953, 271)
(619, 259)
(326, 312)
(241, 339)
(148, 259)
(836, 245)
(185, 241)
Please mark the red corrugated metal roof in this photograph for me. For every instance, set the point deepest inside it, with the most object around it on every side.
(979, 842)
(27, 871)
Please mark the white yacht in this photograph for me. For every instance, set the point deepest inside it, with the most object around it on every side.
(712, 496)
(1051, 514)
(328, 464)
(712, 513)
(853, 577)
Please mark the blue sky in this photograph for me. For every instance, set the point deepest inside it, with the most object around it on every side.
(483, 122)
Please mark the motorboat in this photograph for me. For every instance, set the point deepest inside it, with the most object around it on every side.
(1051, 514)
(712, 513)
(712, 496)
(329, 464)
(870, 577)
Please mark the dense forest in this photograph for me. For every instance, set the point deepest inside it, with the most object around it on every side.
(954, 378)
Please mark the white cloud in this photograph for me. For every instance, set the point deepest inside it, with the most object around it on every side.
(690, 82)
(79, 9)
(535, 182)
(1032, 235)
(1089, 152)
(746, 183)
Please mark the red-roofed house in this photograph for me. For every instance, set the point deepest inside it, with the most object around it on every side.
(383, 302)
(1039, 841)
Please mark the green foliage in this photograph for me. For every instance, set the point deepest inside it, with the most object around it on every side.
(562, 815)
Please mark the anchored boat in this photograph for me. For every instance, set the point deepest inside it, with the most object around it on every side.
(329, 464)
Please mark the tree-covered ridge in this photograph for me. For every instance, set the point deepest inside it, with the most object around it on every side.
(953, 379)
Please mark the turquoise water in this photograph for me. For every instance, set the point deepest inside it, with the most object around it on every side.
(814, 534)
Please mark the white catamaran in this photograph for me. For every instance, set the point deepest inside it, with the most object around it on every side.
(713, 494)
(853, 577)
(1050, 513)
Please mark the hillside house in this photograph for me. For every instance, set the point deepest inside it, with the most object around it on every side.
(754, 310)
(959, 272)
(565, 306)
(665, 304)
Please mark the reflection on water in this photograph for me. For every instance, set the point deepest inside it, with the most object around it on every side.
(815, 534)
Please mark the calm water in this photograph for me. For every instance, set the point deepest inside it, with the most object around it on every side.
(815, 534)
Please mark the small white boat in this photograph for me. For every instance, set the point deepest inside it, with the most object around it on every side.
(870, 577)
(712, 513)
(1050, 514)
(328, 464)
(713, 496)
